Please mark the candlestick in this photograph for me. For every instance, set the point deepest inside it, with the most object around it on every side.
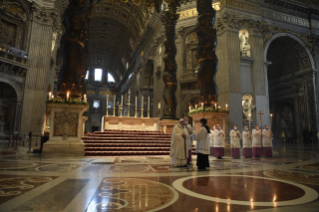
(215, 106)
(114, 101)
(121, 110)
(122, 101)
(271, 121)
(203, 105)
(226, 107)
(107, 105)
(135, 115)
(67, 96)
(49, 95)
(136, 101)
(52, 96)
(142, 106)
(196, 107)
(190, 108)
(128, 109)
(148, 113)
(84, 98)
(149, 103)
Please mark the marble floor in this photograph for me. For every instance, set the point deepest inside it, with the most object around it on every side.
(287, 182)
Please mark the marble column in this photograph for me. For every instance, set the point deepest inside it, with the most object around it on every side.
(37, 79)
(260, 78)
(297, 121)
(169, 76)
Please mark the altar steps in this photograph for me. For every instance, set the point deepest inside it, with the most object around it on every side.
(126, 142)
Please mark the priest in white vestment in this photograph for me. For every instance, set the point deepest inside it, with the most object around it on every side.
(189, 138)
(211, 138)
(235, 137)
(257, 148)
(267, 142)
(202, 145)
(219, 145)
(247, 145)
(179, 151)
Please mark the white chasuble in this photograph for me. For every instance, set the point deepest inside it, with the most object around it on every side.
(202, 141)
(178, 143)
(246, 139)
(267, 138)
(235, 137)
(219, 137)
(256, 138)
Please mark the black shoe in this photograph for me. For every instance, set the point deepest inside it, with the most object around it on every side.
(188, 163)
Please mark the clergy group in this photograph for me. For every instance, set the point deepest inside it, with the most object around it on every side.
(256, 143)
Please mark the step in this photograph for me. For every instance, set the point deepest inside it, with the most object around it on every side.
(126, 136)
(136, 149)
(127, 145)
(114, 153)
(126, 141)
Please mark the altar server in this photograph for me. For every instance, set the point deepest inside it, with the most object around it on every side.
(211, 138)
(179, 151)
(247, 147)
(202, 145)
(235, 137)
(219, 145)
(267, 143)
(189, 136)
(257, 149)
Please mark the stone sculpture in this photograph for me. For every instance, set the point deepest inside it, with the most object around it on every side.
(64, 121)
(244, 45)
(247, 107)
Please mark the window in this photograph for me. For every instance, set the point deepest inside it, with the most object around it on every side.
(87, 75)
(110, 78)
(96, 103)
(98, 74)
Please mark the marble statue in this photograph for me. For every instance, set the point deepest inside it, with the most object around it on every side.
(247, 107)
(244, 45)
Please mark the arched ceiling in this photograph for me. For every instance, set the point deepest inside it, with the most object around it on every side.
(115, 28)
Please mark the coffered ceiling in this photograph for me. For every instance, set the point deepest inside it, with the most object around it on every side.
(115, 28)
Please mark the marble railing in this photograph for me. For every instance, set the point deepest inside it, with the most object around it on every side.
(13, 58)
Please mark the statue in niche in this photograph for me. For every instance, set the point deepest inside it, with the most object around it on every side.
(247, 107)
(244, 44)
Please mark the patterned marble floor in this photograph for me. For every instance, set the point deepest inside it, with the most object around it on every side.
(289, 181)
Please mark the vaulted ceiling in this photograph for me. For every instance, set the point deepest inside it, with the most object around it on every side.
(115, 28)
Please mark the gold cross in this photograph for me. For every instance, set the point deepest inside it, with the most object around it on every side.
(260, 114)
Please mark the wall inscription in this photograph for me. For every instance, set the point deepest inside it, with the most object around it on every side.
(253, 8)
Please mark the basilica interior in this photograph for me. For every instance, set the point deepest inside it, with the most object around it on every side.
(90, 92)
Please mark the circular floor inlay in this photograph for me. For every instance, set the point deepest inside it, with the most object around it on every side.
(245, 190)
(16, 165)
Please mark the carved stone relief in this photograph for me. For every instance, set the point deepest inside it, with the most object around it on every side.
(244, 43)
(65, 124)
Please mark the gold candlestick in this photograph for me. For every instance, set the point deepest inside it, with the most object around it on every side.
(121, 111)
(135, 112)
(148, 113)
(142, 112)
(128, 109)
(113, 111)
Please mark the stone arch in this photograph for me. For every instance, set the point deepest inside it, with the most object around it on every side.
(15, 87)
(278, 35)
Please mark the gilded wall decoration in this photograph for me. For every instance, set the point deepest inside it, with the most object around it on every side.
(65, 124)
(7, 33)
(13, 9)
(244, 43)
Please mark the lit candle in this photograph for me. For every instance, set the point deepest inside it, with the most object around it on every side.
(196, 107)
(203, 105)
(270, 121)
(122, 100)
(85, 100)
(190, 108)
(149, 102)
(218, 107)
(226, 107)
(114, 101)
(107, 101)
(52, 96)
(67, 96)
(49, 95)
(215, 106)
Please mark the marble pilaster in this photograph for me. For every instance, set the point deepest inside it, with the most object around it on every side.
(37, 79)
